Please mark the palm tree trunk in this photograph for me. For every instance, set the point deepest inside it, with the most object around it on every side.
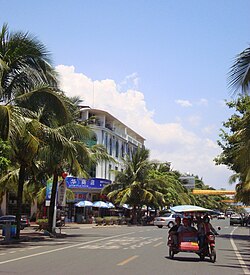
(21, 180)
(52, 202)
(134, 215)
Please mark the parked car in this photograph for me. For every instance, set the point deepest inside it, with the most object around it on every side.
(25, 220)
(12, 220)
(221, 216)
(167, 219)
(236, 219)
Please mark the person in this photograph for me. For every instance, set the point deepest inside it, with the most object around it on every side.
(205, 228)
(173, 230)
(186, 227)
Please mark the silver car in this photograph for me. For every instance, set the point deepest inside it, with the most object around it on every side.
(167, 219)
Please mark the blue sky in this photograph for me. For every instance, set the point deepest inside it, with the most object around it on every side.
(159, 66)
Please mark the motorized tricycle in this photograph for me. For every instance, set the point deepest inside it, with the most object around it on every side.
(189, 242)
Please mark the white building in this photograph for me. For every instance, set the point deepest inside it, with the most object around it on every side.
(114, 135)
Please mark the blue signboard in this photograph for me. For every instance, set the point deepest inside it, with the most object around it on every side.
(97, 183)
(73, 182)
(79, 183)
(48, 189)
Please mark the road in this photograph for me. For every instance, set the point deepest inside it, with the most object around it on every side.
(123, 250)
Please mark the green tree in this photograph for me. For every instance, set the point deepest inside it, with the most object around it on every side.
(4, 156)
(132, 186)
(234, 141)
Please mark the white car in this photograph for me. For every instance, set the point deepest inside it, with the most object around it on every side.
(221, 216)
(167, 219)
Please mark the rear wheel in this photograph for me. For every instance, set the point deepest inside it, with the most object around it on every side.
(213, 255)
(171, 253)
(160, 226)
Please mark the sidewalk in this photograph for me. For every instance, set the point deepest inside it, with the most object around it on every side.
(30, 234)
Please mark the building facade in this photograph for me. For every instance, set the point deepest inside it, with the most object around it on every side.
(119, 140)
(115, 136)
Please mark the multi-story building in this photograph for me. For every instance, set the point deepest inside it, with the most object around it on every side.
(119, 140)
(115, 136)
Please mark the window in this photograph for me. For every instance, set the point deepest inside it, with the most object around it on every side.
(106, 141)
(122, 151)
(110, 146)
(117, 149)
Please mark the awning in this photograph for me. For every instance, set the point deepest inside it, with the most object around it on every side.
(189, 208)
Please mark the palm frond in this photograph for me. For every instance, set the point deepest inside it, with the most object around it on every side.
(239, 74)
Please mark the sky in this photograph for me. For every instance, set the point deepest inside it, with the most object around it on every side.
(160, 66)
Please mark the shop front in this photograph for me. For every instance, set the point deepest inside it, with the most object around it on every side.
(83, 189)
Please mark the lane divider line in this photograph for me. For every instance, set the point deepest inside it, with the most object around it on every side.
(128, 260)
(238, 255)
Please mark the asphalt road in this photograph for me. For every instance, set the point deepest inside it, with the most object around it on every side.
(123, 250)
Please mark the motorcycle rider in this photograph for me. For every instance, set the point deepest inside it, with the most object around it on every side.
(205, 228)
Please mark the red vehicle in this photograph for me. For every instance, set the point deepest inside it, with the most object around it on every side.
(188, 242)
(209, 248)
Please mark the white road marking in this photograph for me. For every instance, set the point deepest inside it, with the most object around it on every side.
(2, 254)
(11, 252)
(130, 242)
(34, 247)
(239, 257)
(61, 248)
(158, 244)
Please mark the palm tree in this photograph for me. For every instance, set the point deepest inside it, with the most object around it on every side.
(132, 186)
(25, 77)
(24, 63)
(239, 74)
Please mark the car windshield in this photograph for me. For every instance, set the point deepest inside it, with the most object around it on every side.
(166, 215)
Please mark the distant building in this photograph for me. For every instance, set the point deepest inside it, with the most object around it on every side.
(188, 181)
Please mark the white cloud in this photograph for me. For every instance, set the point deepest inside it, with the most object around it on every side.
(167, 142)
(183, 103)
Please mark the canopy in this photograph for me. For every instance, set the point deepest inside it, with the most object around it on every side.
(189, 208)
(126, 206)
(110, 204)
(100, 204)
(84, 204)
